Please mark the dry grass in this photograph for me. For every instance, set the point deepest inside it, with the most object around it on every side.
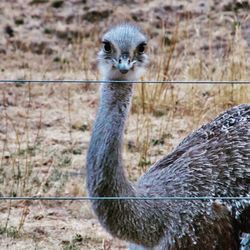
(45, 129)
(193, 101)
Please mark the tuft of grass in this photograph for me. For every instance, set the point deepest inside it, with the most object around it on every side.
(73, 244)
(11, 232)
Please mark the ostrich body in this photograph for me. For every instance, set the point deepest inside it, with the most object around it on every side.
(212, 161)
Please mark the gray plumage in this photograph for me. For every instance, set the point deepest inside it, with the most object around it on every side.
(212, 161)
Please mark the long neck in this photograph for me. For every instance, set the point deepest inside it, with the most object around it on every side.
(104, 162)
(130, 220)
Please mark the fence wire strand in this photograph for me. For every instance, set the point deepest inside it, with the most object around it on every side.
(86, 81)
(85, 198)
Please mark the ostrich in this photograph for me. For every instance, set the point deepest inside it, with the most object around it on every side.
(212, 161)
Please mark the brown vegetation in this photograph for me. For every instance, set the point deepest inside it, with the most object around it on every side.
(44, 129)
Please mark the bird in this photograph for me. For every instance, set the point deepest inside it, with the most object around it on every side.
(212, 161)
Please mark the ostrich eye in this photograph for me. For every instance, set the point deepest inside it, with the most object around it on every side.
(107, 46)
(141, 48)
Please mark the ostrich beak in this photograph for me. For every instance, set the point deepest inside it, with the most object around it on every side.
(124, 64)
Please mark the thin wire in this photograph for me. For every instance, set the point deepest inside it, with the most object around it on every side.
(150, 81)
(62, 198)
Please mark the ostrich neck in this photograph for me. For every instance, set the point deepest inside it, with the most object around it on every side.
(104, 162)
(132, 220)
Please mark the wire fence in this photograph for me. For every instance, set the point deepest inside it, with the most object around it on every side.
(114, 81)
(111, 198)
(85, 198)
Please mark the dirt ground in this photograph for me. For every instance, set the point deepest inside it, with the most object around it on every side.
(45, 128)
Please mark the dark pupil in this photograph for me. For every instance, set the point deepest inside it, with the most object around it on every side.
(107, 47)
(141, 48)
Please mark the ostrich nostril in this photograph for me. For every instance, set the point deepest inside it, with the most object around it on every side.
(120, 60)
(129, 61)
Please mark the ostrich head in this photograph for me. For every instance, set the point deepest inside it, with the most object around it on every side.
(122, 56)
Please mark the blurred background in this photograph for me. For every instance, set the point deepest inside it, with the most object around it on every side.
(45, 128)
